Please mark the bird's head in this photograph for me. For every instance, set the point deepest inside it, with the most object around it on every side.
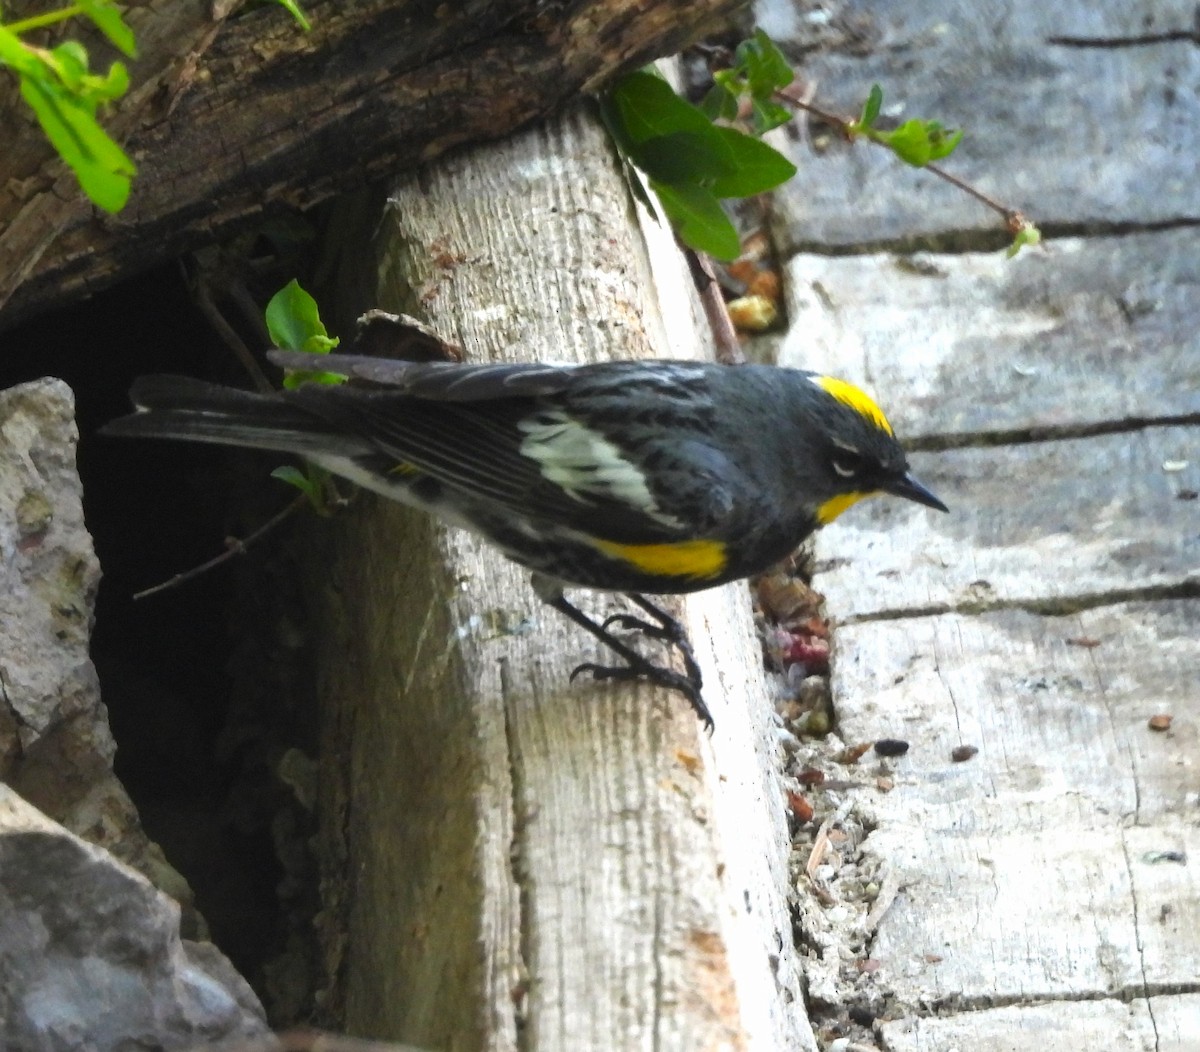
(858, 454)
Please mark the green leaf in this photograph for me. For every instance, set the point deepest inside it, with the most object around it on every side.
(685, 157)
(101, 166)
(918, 142)
(105, 89)
(765, 68)
(1027, 236)
(15, 54)
(910, 142)
(757, 166)
(299, 377)
(943, 143)
(293, 9)
(665, 136)
(698, 219)
(293, 476)
(871, 107)
(768, 115)
(70, 62)
(107, 17)
(720, 103)
(648, 108)
(294, 321)
(310, 480)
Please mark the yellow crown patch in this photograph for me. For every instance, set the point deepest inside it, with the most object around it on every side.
(856, 399)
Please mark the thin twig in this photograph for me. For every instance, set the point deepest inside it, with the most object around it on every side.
(1012, 217)
(234, 546)
(204, 300)
(889, 888)
(974, 192)
(820, 847)
(728, 349)
(251, 311)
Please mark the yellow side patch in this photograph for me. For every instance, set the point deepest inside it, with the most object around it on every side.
(833, 507)
(692, 559)
(856, 399)
(402, 468)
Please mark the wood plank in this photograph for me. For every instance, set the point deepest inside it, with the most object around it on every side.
(1035, 869)
(1168, 1023)
(1057, 1027)
(1084, 333)
(1176, 1022)
(520, 861)
(1092, 137)
(1046, 868)
(1044, 522)
(1062, 723)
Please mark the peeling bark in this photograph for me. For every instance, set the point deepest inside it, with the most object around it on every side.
(233, 119)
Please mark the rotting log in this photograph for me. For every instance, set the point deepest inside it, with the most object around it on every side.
(233, 119)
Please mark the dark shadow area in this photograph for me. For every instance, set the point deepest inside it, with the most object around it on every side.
(201, 693)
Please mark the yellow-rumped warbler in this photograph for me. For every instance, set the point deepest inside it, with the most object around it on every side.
(656, 477)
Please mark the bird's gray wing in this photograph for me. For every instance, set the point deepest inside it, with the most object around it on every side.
(439, 381)
(530, 455)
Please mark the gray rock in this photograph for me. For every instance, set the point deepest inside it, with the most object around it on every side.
(90, 954)
(91, 957)
(56, 749)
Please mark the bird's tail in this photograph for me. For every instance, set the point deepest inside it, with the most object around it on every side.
(193, 410)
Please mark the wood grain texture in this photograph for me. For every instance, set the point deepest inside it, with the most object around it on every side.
(1159, 1024)
(1085, 333)
(516, 860)
(1084, 139)
(1048, 523)
(1035, 870)
(234, 120)
(1040, 895)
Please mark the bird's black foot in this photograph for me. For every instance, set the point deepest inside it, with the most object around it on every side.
(669, 631)
(651, 673)
(664, 628)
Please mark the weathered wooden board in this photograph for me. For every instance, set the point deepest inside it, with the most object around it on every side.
(1036, 869)
(1055, 865)
(1079, 334)
(1168, 1023)
(1090, 137)
(1035, 523)
(521, 861)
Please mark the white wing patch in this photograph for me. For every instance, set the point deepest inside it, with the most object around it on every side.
(581, 462)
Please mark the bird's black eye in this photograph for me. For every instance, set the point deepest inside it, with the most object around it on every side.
(847, 465)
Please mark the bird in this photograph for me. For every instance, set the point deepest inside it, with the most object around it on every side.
(642, 477)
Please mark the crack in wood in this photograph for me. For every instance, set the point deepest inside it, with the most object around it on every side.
(985, 239)
(1139, 941)
(1020, 436)
(1169, 36)
(1050, 606)
(960, 1004)
(516, 862)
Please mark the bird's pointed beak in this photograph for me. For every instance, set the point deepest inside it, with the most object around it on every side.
(910, 489)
